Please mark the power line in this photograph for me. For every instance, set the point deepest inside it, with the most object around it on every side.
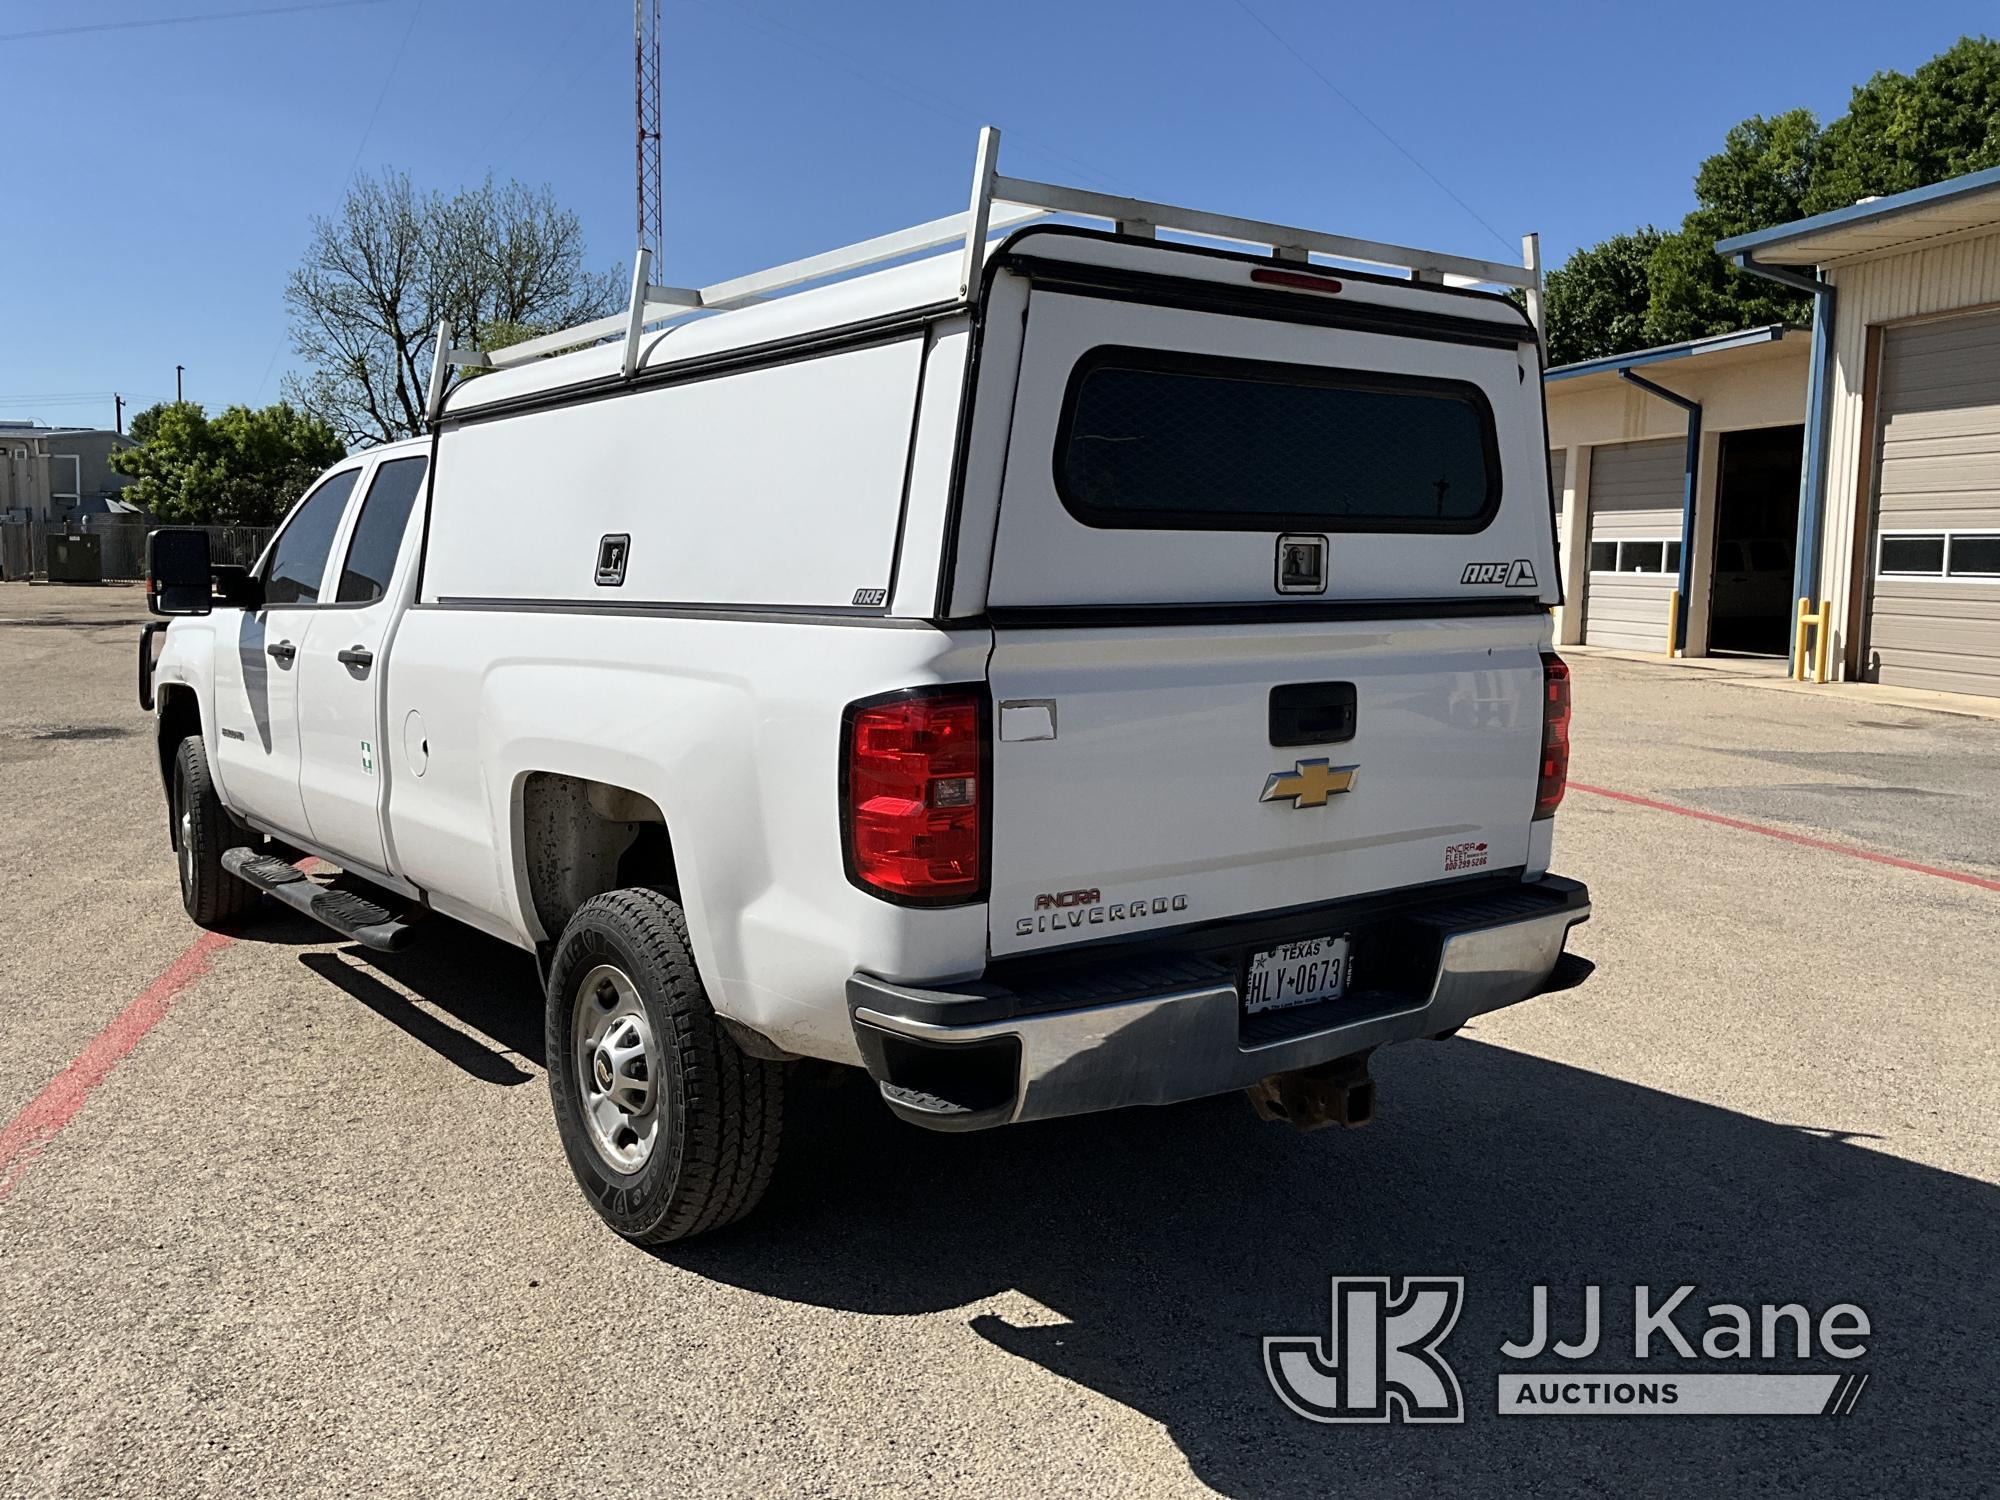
(911, 93)
(1370, 120)
(499, 162)
(213, 15)
(394, 63)
(352, 166)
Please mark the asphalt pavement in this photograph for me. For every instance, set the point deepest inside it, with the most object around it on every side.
(284, 1219)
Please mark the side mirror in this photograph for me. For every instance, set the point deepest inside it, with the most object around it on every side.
(177, 571)
(237, 587)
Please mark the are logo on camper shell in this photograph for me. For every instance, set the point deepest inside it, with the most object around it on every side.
(1518, 574)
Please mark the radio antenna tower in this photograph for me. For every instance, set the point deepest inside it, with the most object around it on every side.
(646, 72)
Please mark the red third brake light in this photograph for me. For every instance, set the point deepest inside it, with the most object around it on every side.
(1306, 281)
(1555, 735)
(911, 795)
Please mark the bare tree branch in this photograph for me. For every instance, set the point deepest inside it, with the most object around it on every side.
(500, 262)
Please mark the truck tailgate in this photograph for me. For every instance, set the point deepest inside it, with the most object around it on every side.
(1137, 786)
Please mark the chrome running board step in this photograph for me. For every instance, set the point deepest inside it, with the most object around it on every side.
(352, 916)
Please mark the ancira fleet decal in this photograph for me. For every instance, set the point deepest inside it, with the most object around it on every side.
(1467, 856)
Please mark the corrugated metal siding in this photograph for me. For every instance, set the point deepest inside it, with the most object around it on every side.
(1938, 464)
(1962, 274)
(1635, 491)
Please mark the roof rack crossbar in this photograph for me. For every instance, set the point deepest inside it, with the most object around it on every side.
(1280, 238)
(997, 203)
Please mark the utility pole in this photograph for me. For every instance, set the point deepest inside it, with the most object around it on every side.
(646, 90)
(119, 402)
(177, 383)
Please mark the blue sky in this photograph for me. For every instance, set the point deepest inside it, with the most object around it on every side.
(161, 179)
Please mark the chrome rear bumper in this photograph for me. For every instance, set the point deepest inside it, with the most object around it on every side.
(1159, 1028)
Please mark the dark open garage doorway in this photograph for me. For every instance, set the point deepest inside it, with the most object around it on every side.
(1756, 531)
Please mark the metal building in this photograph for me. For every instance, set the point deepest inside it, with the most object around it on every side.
(1899, 513)
(1677, 468)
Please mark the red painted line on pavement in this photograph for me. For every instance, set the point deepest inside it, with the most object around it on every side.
(34, 1127)
(1791, 838)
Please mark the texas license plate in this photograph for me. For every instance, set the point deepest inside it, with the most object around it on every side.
(1300, 973)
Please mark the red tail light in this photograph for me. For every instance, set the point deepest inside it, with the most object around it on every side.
(913, 795)
(1555, 735)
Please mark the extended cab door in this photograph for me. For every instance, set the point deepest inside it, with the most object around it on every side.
(256, 667)
(341, 670)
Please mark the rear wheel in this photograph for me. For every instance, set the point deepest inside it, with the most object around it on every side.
(202, 831)
(671, 1129)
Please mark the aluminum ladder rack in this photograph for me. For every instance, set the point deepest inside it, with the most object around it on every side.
(998, 203)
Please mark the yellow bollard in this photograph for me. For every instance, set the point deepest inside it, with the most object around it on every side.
(1814, 620)
(1673, 620)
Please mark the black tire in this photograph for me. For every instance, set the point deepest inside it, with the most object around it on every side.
(203, 829)
(715, 1116)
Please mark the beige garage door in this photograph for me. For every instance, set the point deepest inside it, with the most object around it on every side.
(1934, 604)
(1635, 548)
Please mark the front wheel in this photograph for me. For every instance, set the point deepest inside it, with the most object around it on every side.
(671, 1129)
(203, 829)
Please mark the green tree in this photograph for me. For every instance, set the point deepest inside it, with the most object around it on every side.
(1900, 132)
(380, 274)
(1759, 178)
(1907, 131)
(243, 467)
(1596, 300)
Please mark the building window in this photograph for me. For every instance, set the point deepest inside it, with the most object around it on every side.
(1654, 556)
(1975, 556)
(1938, 554)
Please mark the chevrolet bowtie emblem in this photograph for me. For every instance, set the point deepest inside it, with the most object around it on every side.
(1309, 783)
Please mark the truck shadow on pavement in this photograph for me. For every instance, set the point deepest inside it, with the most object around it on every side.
(1155, 1248)
(485, 986)
(1164, 1244)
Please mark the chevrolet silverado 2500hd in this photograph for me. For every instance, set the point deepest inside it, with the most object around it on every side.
(1072, 671)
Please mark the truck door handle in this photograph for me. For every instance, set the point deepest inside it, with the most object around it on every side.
(284, 651)
(356, 656)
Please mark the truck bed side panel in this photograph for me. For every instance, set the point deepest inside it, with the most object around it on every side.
(732, 727)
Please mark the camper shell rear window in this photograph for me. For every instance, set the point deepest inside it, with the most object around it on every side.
(1172, 441)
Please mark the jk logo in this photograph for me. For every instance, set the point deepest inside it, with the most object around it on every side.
(1381, 1363)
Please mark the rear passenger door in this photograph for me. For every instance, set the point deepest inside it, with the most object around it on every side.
(341, 692)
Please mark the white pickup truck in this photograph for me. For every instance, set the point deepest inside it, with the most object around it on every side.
(1071, 671)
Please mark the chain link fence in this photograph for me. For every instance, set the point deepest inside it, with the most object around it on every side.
(121, 547)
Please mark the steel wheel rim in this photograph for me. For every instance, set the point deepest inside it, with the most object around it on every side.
(187, 845)
(618, 1069)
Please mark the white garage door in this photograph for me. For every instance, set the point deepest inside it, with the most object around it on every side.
(1934, 608)
(1635, 548)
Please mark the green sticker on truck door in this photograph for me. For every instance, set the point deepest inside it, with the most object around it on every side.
(368, 757)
